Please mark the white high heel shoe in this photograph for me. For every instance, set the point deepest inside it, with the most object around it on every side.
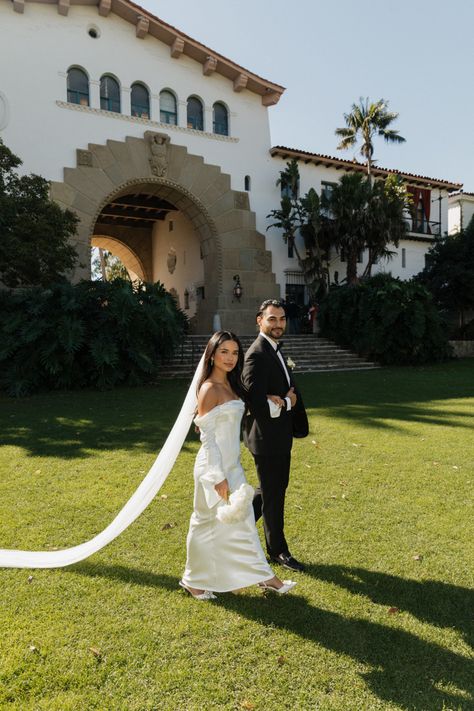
(206, 595)
(286, 587)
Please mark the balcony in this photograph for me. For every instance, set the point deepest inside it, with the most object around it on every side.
(423, 227)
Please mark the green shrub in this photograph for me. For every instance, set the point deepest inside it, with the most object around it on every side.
(386, 319)
(97, 334)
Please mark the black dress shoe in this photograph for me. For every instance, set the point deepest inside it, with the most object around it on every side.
(287, 561)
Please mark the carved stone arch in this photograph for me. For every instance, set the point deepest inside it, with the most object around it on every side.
(221, 216)
(189, 205)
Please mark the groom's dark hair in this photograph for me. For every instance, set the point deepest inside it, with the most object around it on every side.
(270, 302)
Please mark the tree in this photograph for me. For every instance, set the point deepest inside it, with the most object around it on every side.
(365, 121)
(449, 273)
(107, 266)
(387, 223)
(302, 216)
(348, 227)
(34, 231)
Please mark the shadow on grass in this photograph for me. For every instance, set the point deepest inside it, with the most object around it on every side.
(79, 424)
(432, 601)
(390, 397)
(405, 670)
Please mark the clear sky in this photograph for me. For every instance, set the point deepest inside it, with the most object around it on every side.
(417, 54)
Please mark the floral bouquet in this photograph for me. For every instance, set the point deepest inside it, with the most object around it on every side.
(238, 507)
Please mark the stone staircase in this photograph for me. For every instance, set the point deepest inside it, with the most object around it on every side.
(310, 353)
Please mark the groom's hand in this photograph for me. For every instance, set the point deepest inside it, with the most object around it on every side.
(292, 395)
(222, 489)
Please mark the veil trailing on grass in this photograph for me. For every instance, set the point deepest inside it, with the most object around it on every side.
(137, 503)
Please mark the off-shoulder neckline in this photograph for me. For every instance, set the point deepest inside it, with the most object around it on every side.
(216, 407)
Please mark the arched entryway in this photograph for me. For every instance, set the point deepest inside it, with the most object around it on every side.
(152, 177)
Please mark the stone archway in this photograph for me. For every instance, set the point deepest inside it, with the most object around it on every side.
(221, 217)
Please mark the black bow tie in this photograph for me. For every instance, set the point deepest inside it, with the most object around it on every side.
(279, 346)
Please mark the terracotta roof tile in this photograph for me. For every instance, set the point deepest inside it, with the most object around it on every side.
(320, 158)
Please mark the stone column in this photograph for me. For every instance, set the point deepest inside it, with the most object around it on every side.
(94, 93)
(155, 107)
(125, 101)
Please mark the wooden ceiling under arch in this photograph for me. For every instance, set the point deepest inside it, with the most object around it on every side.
(134, 210)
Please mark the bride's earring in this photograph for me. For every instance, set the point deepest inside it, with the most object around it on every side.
(212, 361)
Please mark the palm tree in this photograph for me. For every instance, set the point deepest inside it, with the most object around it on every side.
(301, 216)
(365, 121)
(348, 226)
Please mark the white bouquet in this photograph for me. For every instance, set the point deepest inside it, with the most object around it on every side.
(238, 507)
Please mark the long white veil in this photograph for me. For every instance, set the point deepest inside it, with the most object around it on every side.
(137, 503)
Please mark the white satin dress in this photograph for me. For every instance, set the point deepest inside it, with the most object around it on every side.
(221, 556)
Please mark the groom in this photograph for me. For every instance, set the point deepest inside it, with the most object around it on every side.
(269, 428)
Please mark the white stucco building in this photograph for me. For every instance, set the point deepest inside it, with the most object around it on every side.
(460, 211)
(162, 147)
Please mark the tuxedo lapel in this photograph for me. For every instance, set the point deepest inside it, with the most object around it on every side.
(272, 352)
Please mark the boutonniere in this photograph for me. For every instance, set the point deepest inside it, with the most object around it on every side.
(290, 363)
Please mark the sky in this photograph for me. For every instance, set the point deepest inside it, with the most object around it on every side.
(417, 54)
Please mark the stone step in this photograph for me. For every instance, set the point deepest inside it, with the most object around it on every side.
(310, 353)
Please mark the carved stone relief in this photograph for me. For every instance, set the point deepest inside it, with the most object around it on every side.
(84, 158)
(158, 143)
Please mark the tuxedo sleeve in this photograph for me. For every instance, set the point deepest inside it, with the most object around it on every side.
(255, 377)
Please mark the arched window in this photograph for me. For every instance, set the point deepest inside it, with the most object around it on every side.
(140, 99)
(109, 94)
(77, 87)
(195, 114)
(247, 183)
(168, 113)
(220, 119)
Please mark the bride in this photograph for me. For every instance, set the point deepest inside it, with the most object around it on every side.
(224, 551)
(222, 556)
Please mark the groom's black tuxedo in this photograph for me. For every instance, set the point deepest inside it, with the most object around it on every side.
(270, 439)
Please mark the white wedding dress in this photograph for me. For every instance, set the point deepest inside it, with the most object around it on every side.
(221, 556)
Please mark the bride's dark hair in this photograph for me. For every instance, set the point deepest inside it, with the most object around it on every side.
(235, 375)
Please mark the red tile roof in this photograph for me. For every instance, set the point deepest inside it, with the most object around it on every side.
(461, 193)
(340, 163)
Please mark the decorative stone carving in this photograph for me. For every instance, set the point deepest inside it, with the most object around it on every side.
(240, 82)
(63, 7)
(171, 260)
(84, 158)
(264, 261)
(209, 66)
(104, 7)
(271, 98)
(143, 24)
(176, 49)
(158, 143)
(241, 201)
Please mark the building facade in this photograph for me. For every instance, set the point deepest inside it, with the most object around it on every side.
(162, 147)
(460, 211)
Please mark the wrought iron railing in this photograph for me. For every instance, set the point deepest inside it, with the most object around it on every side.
(423, 227)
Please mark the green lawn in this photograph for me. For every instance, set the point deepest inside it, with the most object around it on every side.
(380, 507)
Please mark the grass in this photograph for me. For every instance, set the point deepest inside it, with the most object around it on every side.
(380, 507)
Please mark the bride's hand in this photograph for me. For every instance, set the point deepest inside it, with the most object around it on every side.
(276, 399)
(222, 489)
